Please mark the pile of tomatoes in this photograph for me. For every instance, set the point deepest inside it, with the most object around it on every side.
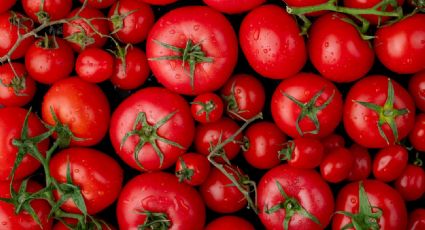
(213, 114)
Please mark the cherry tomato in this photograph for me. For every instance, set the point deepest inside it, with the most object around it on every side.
(305, 153)
(100, 4)
(192, 168)
(362, 165)
(336, 165)
(332, 141)
(15, 90)
(94, 65)
(5, 5)
(233, 7)
(417, 89)
(417, 135)
(417, 219)
(207, 107)
(390, 163)
(51, 9)
(411, 183)
(364, 4)
(229, 223)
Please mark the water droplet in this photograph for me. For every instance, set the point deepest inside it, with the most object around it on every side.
(238, 91)
(76, 170)
(178, 76)
(265, 51)
(256, 35)
(353, 200)
(326, 44)
(4, 223)
(172, 31)
(196, 27)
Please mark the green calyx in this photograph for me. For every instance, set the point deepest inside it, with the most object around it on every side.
(232, 104)
(117, 18)
(80, 38)
(185, 173)
(286, 152)
(19, 21)
(155, 221)
(207, 108)
(17, 84)
(387, 114)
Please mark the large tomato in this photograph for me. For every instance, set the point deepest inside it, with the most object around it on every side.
(229, 223)
(202, 47)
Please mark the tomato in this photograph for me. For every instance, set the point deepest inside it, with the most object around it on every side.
(336, 165)
(271, 41)
(11, 123)
(244, 96)
(229, 223)
(203, 49)
(192, 168)
(305, 153)
(285, 192)
(73, 222)
(209, 135)
(340, 55)
(362, 165)
(79, 105)
(417, 219)
(401, 46)
(262, 143)
(390, 163)
(378, 196)
(6, 5)
(13, 25)
(130, 21)
(49, 60)
(306, 105)
(207, 107)
(411, 183)
(80, 34)
(219, 193)
(158, 2)
(303, 3)
(98, 176)
(378, 112)
(234, 7)
(158, 199)
(15, 90)
(11, 220)
(94, 65)
(100, 4)
(417, 89)
(133, 72)
(417, 135)
(362, 4)
(149, 135)
(50, 9)
(332, 141)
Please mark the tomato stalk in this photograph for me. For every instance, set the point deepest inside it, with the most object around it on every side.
(17, 84)
(185, 173)
(286, 153)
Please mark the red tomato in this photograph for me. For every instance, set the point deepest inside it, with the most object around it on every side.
(234, 7)
(417, 219)
(100, 4)
(49, 60)
(11, 123)
(52, 9)
(244, 96)
(149, 135)
(79, 105)
(378, 196)
(336, 165)
(130, 21)
(98, 176)
(340, 55)
(263, 141)
(411, 183)
(287, 192)
(272, 43)
(204, 47)
(94, 65)
(158, 2)
(304, 153)
(207, 107)
(375, 104)
(15, 90)
(400, 46)
(362, 165)
(192, 168)
(364, 4)
(159, 197)
(332, 141)
(13, 25)
(306, 105)
(390, 163)
(5, 5)
(417, 135)
(417, 89)
(229, 223)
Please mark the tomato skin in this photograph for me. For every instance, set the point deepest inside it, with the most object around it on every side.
(339, 55)
(158, 2)
(267, 33)
(98, 176)
(361, 4)
(306, 186)
(11, 221)
(379, 194)
(411, 183)
(158, 192)
(390, 163)
(361, 123)
(265, 141)
(180, 128)
(229, 223)
(6, 5)
(94, 65)
(332, 141)
(362, 165)
(336, 165)
(9, 35)
(417, 219)
(11, 123)
(308, 153)
(234, 7)
(417, 135)
(135, 25)
(217, 40)
(82, 106)
(32, 7)
(417, 89)
(49, 65)
(196, 162)
(99, 4)
(207, 107)
(8, 96)
(303, 87)
(401, 46)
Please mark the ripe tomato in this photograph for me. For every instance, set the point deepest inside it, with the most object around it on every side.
(362, 165)
(378, 198)
(390, 163)
(229, 223)
(5, 5)
(417, 89)
(262, 143)
(49, 60)
(244, 96)
(130, 21)
(294, 198)
(207, 107)
(79, 105)
(378, 112)
(202, 47)
(94, 65)
(417, 135)
(11, 123)
(158, 199)
(336, 165)
(340, 55)
(100, 4)
(332, 141)
(304, 153)
(98, 176)
(15, 90)
(411, 183)
(417, 219)
(306, 105)
(400, 46)
(234, 7)
(271, 41)
(192, 168)
(149, 135)
(52, 9)
(364, 4)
